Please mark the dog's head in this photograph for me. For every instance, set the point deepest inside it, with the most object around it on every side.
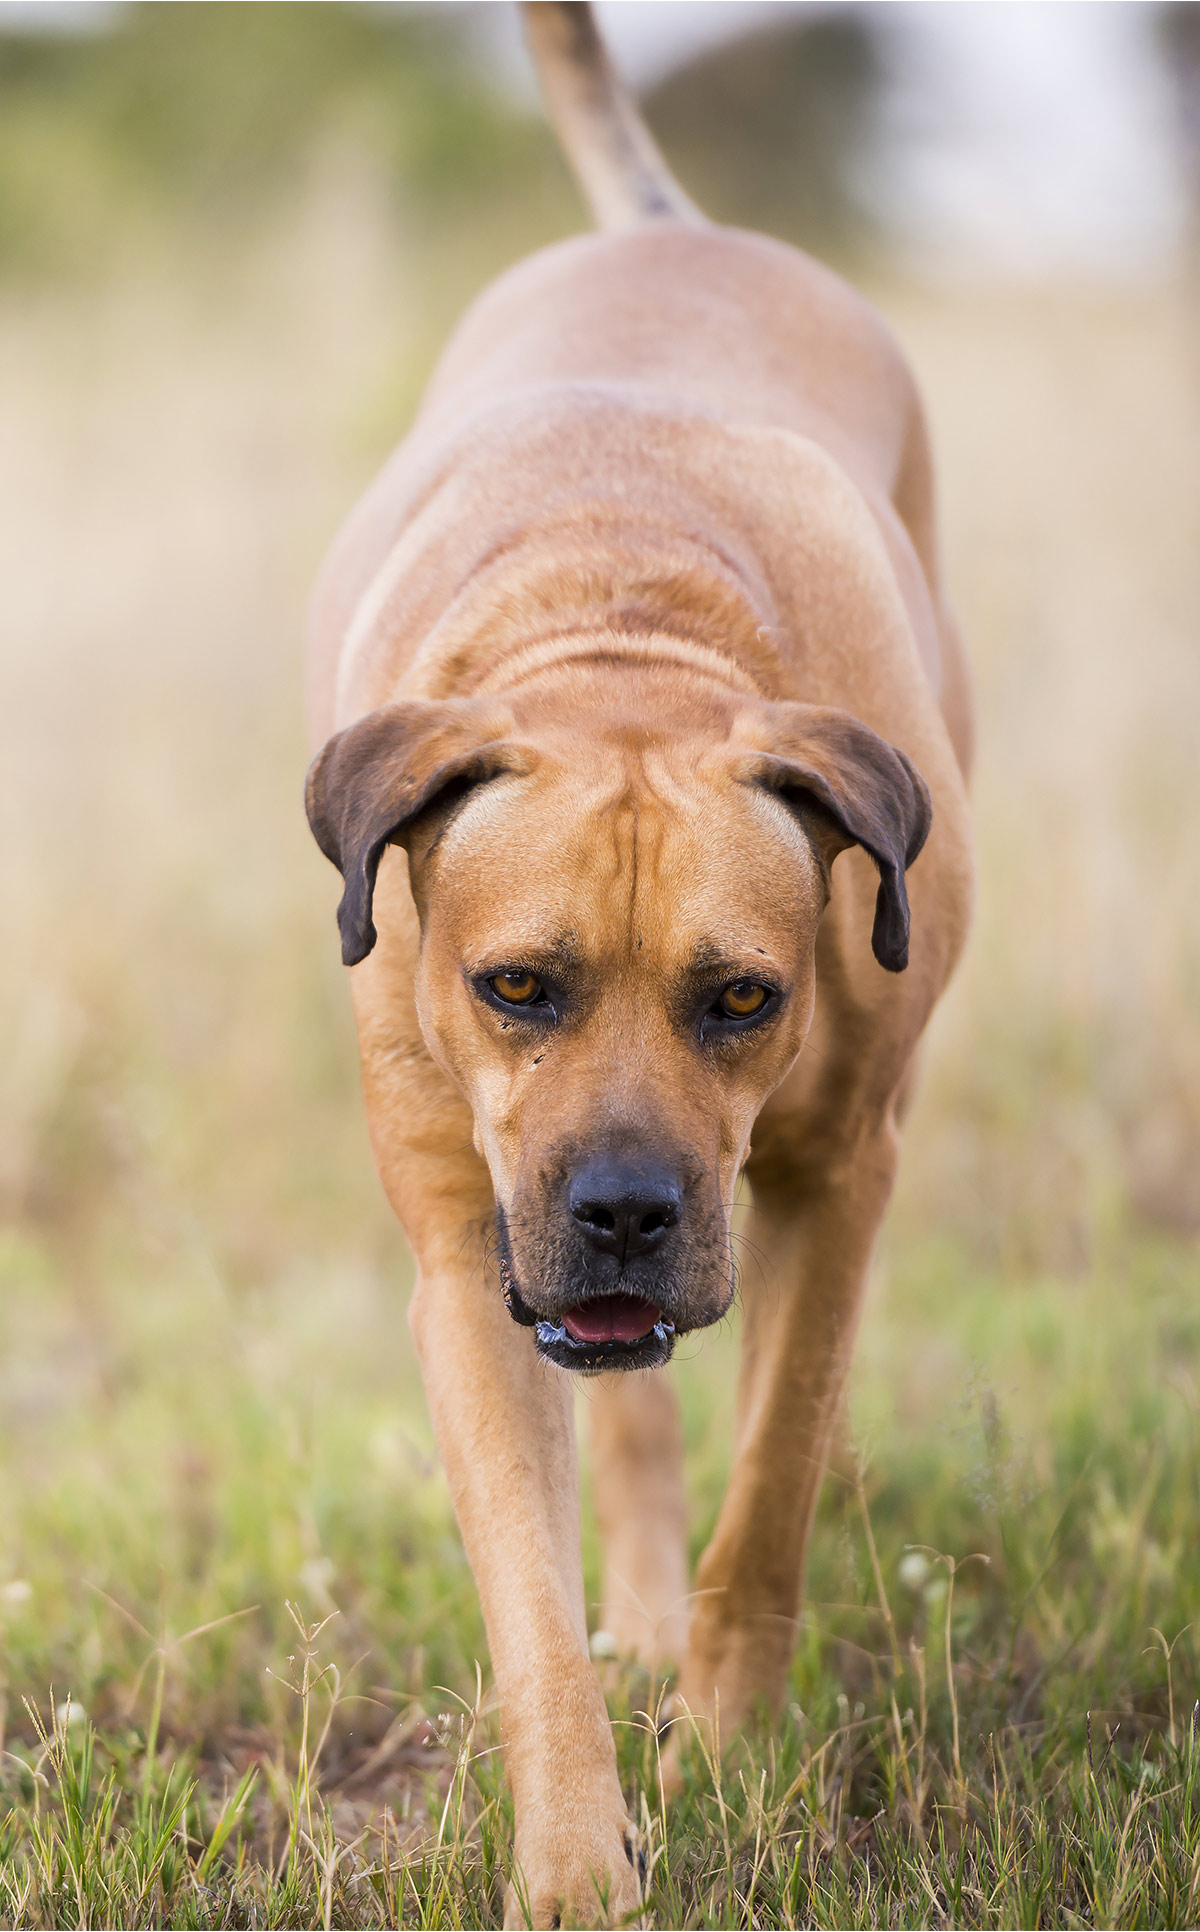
(618, 922)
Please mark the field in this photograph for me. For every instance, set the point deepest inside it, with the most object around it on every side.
(243, 1679)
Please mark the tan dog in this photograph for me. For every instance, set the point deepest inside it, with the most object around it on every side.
(639, 630)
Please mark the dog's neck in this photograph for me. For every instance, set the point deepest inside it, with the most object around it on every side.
(645, 648)
(650, 598)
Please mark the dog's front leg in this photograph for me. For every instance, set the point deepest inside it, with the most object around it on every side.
(505, 1431)
(814, 1226)
(504, 1422)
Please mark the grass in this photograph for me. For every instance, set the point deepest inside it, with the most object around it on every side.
(247, 1683)
(243, 1677)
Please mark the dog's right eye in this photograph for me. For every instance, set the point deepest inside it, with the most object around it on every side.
(517, 989)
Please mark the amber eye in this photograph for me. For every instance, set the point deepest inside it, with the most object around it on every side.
(519, 989)
(744, 998)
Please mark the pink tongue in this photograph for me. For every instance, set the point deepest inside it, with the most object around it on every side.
(614, 1318)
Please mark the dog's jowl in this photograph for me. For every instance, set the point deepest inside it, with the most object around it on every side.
(643, 729)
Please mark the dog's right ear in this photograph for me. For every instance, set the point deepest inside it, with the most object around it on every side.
(371, 781)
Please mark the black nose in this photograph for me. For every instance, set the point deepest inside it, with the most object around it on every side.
(624, 1210)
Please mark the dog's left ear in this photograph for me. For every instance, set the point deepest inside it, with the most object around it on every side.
(866, 792)
(371, 783)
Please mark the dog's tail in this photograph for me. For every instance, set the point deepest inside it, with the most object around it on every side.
(624, 178)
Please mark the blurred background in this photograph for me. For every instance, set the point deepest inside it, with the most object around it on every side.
(232, 238)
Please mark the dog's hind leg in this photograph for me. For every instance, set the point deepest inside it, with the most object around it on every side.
(816, 1225)
(637, 1476)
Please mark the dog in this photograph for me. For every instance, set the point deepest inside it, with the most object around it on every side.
(644, 725)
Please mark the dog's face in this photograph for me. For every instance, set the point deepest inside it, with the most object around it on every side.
(617, 967)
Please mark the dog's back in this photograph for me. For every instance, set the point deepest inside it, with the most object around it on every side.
(661, 311)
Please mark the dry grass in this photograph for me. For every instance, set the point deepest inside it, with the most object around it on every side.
(208, 1404)
(1067, 1086)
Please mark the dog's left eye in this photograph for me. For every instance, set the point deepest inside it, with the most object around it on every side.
(743, 1000)
(517, 989)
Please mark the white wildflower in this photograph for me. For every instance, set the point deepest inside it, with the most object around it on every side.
(913, 1571)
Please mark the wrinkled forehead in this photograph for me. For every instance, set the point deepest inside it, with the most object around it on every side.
(654, 856)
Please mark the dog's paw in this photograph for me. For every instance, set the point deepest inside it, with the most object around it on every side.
(577, 1885)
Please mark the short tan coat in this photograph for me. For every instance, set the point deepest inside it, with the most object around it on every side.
(665, 516)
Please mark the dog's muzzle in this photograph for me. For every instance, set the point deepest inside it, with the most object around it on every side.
(619, 1263)
(601, 1333)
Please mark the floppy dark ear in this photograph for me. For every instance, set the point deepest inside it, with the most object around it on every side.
(870, 791)
(369, 783)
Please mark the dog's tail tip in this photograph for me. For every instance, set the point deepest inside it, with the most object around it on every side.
(624, 178)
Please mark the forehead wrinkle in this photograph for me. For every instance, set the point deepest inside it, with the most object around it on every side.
(629, 863)
(676, 850)
(651, 857)
(707, 851)
(672, 773)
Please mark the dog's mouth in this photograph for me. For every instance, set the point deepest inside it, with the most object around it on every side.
(607, 1332)
(615, 1331)
(612, 1318)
